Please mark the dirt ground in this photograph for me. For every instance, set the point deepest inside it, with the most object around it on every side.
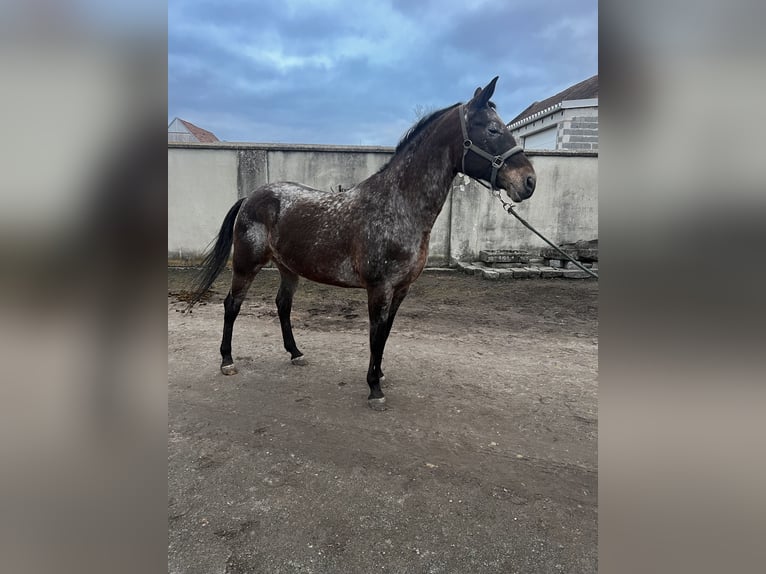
(484, 461)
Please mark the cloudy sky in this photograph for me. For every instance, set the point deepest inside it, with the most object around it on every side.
(358, 72)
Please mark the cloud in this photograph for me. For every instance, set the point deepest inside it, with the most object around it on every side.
(575, 27)
(353, 71)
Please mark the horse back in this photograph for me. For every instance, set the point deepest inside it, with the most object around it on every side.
(349, 238)
(311, 232)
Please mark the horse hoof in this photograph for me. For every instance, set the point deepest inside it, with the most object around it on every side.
(300, 361)
(228, 369)
(377, 404)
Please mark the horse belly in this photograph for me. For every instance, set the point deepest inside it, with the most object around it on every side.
(310, 249)
(331, 271)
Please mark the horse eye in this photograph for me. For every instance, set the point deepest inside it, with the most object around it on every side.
(494, 131)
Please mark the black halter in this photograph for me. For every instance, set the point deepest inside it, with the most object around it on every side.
(497, 161)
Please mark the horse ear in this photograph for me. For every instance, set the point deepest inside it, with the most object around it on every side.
(481, 97)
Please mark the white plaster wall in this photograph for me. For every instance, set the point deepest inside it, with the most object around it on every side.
(203, 180)
(202, 186)
(564, 208)
(438, 252)
(324, 169)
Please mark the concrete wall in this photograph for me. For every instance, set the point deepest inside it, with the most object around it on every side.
(202, 186)
(204, 180)
(564, 208)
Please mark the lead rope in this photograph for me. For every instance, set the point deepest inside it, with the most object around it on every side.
(507, 206)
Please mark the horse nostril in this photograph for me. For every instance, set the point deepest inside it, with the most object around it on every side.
(530, 182)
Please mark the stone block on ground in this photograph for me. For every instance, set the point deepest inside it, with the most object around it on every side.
(551, 253)
(548, 272)
(463, 266)
(533, 271)
(490, 274)
(571, 265)
(574, 274)
(492, 256)
(587, 255)
(519, 273)
(579, 250)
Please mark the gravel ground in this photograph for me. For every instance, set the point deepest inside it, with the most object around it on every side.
(484, 461)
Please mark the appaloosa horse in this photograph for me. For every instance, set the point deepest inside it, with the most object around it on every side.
(372, 236)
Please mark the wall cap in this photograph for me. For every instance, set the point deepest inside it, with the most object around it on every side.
(338, 148)
(560, 153)
(282, 147)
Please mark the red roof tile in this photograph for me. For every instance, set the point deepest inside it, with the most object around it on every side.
(203, 136)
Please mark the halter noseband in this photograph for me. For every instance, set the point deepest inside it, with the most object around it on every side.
(497, 161)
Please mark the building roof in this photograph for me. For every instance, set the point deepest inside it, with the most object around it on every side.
(203, 136)
(587, 89)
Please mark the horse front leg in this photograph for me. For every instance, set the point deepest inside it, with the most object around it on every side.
(287, 287)
(397, 299)
(379, 309)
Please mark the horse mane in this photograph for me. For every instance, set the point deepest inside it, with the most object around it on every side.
(416, 131)
(418, 128)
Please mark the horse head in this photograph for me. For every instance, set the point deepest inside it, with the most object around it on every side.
(490, 151)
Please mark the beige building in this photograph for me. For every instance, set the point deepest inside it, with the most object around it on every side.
(565, 121)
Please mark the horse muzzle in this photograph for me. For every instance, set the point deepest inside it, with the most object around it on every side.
(520, 187)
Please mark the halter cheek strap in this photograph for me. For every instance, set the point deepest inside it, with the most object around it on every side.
(497, 161)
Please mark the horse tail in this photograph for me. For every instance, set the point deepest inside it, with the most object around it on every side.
(216, 256)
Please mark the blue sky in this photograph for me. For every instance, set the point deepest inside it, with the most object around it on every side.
(356, 71)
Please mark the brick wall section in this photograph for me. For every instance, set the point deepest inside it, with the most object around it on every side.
(578, 133)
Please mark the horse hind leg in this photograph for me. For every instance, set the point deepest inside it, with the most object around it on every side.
(248, 259)
(240, 283)
(287, 288)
